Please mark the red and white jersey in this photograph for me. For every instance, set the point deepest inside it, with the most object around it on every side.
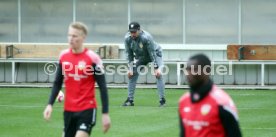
(202, 118)
(79, 79)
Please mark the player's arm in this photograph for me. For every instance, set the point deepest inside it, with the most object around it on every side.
(100, 79)
(56, 85)
(229, 122)
(55, 90)
(181, 126)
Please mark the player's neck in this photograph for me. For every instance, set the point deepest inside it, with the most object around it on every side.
(78, 50)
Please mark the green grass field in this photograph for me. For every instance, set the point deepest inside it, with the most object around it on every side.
(21, 113)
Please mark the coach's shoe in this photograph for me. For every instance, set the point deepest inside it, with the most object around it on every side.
(128, 102)
(162, 102)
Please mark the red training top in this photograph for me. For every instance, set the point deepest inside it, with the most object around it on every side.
(203, 118)
(79, 80)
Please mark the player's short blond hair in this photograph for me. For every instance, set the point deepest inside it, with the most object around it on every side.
(80, 26)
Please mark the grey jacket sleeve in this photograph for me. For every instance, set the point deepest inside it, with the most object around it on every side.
(152, 52)
(129, 54)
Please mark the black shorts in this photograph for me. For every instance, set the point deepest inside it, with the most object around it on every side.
(83, 120)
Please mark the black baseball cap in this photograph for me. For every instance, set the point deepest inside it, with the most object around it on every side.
(133, 26)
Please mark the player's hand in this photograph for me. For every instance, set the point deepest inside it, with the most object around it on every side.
(157, 73)
(47, 112)
(106, 122)
(130, 74)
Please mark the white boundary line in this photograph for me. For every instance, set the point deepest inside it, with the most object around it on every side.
(146, 86)
(259, 128)
(114, 106)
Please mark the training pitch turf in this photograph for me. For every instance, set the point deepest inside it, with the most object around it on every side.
(21, 113)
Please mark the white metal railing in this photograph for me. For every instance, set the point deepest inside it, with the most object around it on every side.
(251, 62)
(178, 64)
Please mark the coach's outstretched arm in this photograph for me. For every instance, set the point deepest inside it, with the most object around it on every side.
(55, 90)
(130, 57)
(100, 79)
(152, 54)
(151, 50)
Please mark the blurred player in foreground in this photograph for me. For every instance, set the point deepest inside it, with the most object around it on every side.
(141, 50)
(80, 68)
(206, 111)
